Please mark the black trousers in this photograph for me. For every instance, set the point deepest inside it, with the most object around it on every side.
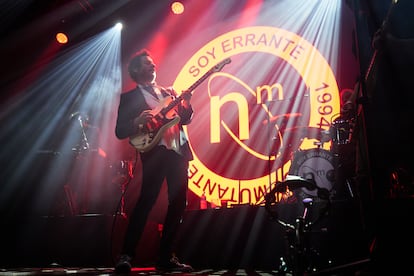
(157, 165)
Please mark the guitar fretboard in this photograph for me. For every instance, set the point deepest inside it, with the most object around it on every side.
(214, 69)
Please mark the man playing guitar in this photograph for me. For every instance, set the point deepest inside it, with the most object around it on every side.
(164, 152)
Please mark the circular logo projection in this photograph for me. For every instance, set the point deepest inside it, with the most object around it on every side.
(261, 94)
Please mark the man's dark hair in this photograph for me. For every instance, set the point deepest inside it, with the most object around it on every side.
(135, 63)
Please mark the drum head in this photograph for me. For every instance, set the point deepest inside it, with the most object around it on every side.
(316, 165)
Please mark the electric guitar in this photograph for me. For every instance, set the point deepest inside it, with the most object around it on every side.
(151, 133)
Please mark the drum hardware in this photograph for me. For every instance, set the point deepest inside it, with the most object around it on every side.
(276, 146)
(341, 131)
(295, 135)
(123, 172)
(298, 234)
(299, 133)
(401, 183)
(83, 119)
(309, 132)
(348, 185)
(280, 119)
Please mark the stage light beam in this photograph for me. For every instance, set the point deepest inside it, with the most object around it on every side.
(87, 78)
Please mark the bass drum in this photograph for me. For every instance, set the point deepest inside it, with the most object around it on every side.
(316, 165)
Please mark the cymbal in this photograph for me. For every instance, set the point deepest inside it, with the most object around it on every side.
(282, 117)
(309, 132)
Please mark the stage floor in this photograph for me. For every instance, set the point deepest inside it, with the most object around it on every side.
(239, 241)
(360, 268)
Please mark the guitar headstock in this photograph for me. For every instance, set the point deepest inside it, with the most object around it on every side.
(220, 65)
(214, 69)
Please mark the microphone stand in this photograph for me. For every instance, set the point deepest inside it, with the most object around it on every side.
(269, 146)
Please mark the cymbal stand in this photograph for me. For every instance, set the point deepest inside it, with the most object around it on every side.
(298, 241)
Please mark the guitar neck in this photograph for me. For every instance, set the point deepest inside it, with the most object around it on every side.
(194, 85)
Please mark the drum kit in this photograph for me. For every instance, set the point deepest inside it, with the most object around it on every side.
(316, 164)
(311, 178)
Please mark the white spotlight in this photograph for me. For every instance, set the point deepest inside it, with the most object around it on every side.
(118, 26)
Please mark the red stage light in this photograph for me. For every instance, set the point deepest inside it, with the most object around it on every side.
(62, 38)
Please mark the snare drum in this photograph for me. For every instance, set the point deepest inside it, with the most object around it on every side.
(341, 132)
(316, 165)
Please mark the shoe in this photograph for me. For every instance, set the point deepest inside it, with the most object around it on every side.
(124, 264)
(173, 265)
